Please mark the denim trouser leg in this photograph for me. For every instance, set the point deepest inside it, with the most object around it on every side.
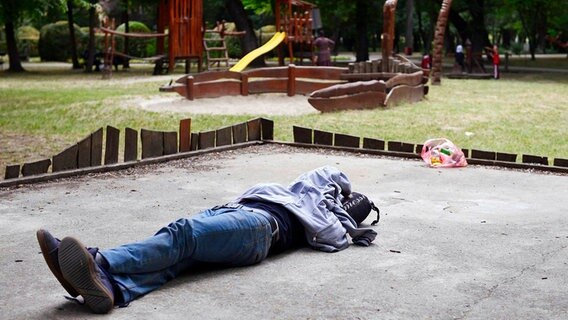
(228, 236)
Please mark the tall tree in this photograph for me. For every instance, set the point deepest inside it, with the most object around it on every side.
(73, 39)
(534, 16)
(243, 23)
(409, 38)
(91, 44)
(13, 52)
(361, 40)
(11, 14)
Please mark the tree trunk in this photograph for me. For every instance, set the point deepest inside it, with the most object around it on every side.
(126, 21)
(361, 41)
(529, 27)
(461, 26)
(91, 45)
(249, 42)
(387, 37)
(13, 54)
(439, 42)
(72, 37)
(479, 34)
(409, 40)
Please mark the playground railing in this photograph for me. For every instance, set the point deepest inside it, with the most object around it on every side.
(291, 80)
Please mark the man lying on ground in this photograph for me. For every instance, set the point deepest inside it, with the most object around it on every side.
(317, 209)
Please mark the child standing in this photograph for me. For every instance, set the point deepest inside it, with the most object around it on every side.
(496, 61)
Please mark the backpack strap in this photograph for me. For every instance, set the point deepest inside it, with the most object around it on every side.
(378, 214)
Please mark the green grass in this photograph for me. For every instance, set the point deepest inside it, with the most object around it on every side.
(43, 112)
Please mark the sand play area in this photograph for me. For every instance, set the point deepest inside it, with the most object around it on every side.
(258, 104)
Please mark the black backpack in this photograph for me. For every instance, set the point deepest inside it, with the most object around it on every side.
(358, 206)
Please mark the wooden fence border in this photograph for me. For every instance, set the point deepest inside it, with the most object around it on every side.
(88, 152)
(158, 146)
(306, 136)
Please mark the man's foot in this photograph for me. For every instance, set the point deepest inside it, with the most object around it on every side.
(82, 272)
(50, 249)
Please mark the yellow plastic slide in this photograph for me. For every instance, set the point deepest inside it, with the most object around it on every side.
(271, 44)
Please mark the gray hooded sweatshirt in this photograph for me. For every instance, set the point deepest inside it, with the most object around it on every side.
(315, 199)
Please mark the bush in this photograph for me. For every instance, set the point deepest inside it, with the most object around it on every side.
(54, 43)
(264, 34)
(27, 38)
(138, 47)
(234, 48)
(517, 48)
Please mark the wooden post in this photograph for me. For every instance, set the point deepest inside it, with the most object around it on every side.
(66, 159)
(190, 81)
(152, 143)
(97, 147)
(111, 145)
(185, 135)
(84, 153)
(244, 84)
(130, 145)
(12, 171)
(37, 167)
(291, 80)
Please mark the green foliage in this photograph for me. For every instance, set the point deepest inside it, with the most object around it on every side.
(28, 37)
(138, 47)
(517, 48)
(233, 43)
(264, 34)
(259, 7)
(54, 41)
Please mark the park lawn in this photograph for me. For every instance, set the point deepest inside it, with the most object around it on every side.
(42, 113)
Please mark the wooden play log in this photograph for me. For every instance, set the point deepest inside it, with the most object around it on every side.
(356, 95)
(403, 93)
(349, 88)
(363, 100)
(409, 79)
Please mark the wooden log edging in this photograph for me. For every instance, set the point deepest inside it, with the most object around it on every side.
(253, 132)
(307, 137)
(291, 80)
(156, 146)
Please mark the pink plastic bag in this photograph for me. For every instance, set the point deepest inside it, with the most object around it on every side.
(442, 153)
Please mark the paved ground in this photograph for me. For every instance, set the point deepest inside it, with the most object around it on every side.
(469, 243)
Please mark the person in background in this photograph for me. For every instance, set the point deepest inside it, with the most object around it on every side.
(460, 57)
(324, 46)
(496, 60)
(426, 61)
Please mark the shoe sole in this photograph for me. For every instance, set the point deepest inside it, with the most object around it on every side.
(55, 269)
(79, 269)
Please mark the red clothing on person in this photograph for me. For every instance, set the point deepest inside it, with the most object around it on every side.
(496, 59)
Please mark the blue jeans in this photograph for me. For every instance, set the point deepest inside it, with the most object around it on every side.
(228, 236)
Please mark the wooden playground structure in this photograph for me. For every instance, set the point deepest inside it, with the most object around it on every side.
(183, 21)
(387, 81)
(294, 18)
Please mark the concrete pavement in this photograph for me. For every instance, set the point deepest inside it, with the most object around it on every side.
(468, 243)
